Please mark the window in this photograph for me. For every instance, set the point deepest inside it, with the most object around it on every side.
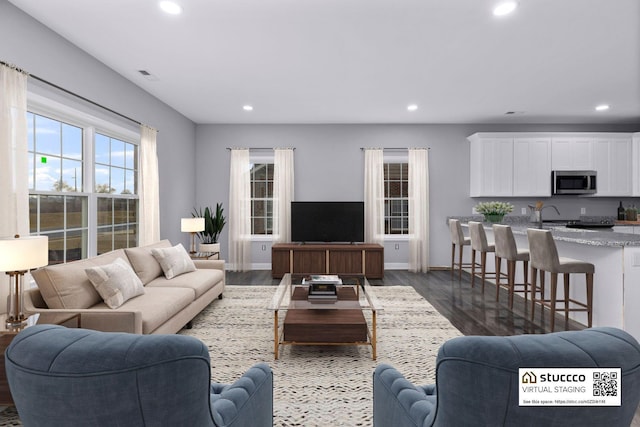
(82, 187)
(115, 181)
(396, 198)
(262, 199)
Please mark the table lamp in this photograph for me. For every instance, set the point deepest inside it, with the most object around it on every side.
(18, 255)
(193, 226)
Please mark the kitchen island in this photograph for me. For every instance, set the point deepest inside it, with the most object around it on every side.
(616, 256)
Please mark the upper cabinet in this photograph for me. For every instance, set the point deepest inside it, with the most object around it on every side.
(635, 162)
(613, 162)
(508, 166)
(491, 166)
(520, 164)
(571, 154)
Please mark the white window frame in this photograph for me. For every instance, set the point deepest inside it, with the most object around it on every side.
(90, 124)
(396, 157)
(261, 158)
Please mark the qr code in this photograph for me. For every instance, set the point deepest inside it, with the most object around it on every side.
(605, 384)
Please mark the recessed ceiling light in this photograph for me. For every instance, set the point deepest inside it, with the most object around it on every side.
(603, 107)
(247, 108)
(505, 8)
(171, 7)
(412, 107)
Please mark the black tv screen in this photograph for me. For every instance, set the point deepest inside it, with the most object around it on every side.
(327, 222)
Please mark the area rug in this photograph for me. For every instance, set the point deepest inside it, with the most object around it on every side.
(315, 385)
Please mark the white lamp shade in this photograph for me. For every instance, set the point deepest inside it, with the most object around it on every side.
(23, 253)
(191, 225)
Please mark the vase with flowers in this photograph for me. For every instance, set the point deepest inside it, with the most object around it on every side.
(494, 211)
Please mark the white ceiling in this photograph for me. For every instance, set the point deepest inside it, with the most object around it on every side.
(364, 61)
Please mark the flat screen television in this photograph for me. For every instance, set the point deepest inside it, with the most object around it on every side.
(341, 222)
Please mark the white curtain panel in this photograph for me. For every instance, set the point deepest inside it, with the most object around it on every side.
(282, 194)
(148, 187)
(374, 196)
(419, 210)
(14, 164)
(239, 211)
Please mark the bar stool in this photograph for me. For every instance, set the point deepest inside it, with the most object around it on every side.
(507, 249)
(457, 238)
(544, 257)
(480, 244)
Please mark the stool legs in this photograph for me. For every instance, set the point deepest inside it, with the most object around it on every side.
(460, 264)
(588, 306)
(453, 257)
(511, 280)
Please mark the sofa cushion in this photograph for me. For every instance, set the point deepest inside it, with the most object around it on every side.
(67, 285)
(115, 282)
(200, 281)
(157, 305)
(174, 261)
(144, 264)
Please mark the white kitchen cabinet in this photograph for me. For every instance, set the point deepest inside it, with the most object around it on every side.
(635, 164)
(532, 167)
(612, 161)
(491, 166)
(571, 153)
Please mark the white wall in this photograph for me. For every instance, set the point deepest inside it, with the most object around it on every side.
(329, 166)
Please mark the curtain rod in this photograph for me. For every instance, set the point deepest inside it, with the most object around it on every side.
(395, 148)
(72, 93)
(260, 148)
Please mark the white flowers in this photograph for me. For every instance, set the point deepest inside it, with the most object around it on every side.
(494, 208)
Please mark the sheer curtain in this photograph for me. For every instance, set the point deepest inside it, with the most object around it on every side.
(14, 164)
(374, 196)
(282, 194)
(418, 210)
(239, 211)
(148, 189)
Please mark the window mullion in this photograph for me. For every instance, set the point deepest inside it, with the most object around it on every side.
(89, 177)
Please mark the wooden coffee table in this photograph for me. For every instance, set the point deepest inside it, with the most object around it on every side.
(311, 323)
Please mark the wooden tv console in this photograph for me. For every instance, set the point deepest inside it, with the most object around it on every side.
(363, 259)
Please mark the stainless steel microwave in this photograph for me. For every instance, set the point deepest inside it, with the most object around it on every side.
(574, 182)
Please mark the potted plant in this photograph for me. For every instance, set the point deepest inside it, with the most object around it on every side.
(213, 225)
(494, 211)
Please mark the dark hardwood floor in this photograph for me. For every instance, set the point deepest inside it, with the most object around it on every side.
(469, 309)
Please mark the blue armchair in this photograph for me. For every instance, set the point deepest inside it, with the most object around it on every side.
(78, 377)
(477, 382)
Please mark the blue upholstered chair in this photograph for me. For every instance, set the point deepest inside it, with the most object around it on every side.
(477, 382)
(78, 377)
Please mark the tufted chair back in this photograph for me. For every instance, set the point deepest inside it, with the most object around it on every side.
(79, 377)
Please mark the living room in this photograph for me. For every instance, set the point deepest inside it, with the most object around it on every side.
(193, 155)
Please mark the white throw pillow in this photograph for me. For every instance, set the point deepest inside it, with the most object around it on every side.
(115, 282)
(174, 261)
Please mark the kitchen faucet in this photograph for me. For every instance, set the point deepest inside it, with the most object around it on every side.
(537, 211)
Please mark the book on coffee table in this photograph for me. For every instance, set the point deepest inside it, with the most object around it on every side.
(325, 278)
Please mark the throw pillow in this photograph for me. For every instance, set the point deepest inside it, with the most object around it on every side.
(174, 261)
(116, 282)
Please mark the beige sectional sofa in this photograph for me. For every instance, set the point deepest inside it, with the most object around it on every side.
(64, 291)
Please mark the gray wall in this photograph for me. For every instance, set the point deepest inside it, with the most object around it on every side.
(329, 165)
(31, 46)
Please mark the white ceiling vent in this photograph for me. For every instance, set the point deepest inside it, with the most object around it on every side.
(147, 75)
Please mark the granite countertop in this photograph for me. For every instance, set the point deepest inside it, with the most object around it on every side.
(520, 223)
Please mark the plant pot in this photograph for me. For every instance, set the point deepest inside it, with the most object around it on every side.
(210, 247)
(493, 218)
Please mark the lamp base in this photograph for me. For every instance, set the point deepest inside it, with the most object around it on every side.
(14, 322)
